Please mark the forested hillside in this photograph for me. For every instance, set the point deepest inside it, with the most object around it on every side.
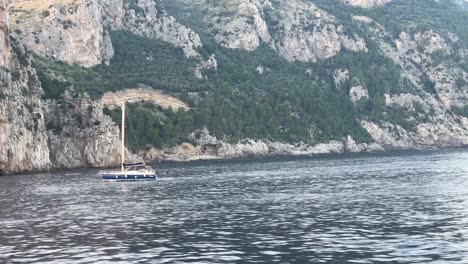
(394, 73)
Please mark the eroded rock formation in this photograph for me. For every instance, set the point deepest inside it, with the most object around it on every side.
(73, 132)
(367, 3)
(23, 136)
(298, 30)
(77, 31)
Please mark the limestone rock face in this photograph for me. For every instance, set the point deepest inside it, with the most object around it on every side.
(419, 55)
(340, 77)
(23, 137)
(73, 132)
(367, 3)
(80, 135)
(443, 132)
(425, 61)
(152, 23)
(71, 31)
(37, 135)
(209, 147)
(243, 30)
(410, 102)
(307, 33)
(76, 31)
(210, 63)
(296, 29)
(358, 93)
(78, 130)
(4, 31)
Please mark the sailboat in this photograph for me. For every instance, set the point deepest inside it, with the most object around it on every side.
(128, 172)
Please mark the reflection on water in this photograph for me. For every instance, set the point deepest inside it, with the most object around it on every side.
(398, 208)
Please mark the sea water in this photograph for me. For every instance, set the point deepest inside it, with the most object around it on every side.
(407, 207)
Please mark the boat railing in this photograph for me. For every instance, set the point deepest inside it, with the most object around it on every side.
(139, 168)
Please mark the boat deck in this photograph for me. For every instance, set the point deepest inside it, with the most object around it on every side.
(128, 177)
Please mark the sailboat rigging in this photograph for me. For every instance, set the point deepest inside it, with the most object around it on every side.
(128, 172)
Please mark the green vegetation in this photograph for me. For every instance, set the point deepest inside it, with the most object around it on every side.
(287, 102)
(416, 15)
(461, 111)
(284, 103)
(155, 63)
(82, 80)
(464, 64)
(405, 15)
(137, 61)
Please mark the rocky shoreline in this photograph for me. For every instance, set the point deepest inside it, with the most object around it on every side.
(72, 131)
(319, 150)
(207, 147)
(443, 133)
(169, 157)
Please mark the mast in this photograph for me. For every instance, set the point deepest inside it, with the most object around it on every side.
(122, 139)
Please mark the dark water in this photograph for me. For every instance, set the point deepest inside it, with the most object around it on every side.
(397, 208)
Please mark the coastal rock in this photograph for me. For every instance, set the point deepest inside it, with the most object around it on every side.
(5, 50)
(297, 30)
(420, 111)
(37, 135)
(80, 135)
(389, 136)
(76, 31)
(326, 148)
(208, 147)
(23, 137)
(69, 31)
(244, 30)
(420, 55)
(367, 3)
(151, 154)
(307, 33)
(444, 132)
(340, 77)
(185, 151)
(245, 148)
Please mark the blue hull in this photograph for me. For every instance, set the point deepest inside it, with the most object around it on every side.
(129, 177)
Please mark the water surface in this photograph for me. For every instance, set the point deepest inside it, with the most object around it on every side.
(392, 208)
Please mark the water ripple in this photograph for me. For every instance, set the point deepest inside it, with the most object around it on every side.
(399, 208)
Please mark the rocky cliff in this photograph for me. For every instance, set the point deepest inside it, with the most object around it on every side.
(36, 134)
(23, 136)
(367, 3)
(80, 135)
(77, 31)
(298, 30)
(228, 78)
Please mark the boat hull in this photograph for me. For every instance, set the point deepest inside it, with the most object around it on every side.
(128, 177)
